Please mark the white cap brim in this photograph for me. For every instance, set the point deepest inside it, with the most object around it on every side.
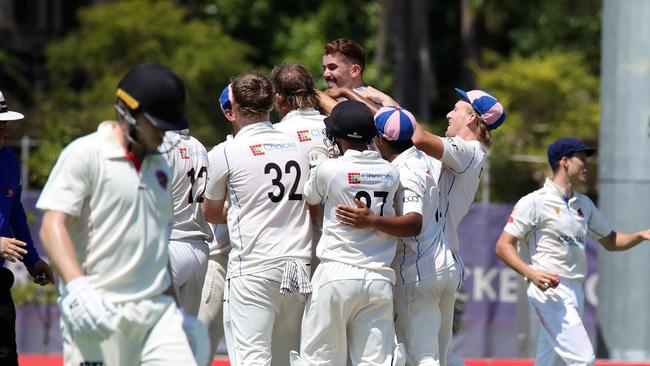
(11, 116)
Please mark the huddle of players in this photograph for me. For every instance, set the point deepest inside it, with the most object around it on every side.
(383, 291)
(370, 191)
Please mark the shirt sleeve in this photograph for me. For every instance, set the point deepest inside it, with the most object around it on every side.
(598, 227)
(69, 182)
(314, 190)
(217, 173)
(522, 219)
(410, 194)
(457, 154)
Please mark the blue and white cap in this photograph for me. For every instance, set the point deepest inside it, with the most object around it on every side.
(226, 98)
(394, 123)
(488, 107)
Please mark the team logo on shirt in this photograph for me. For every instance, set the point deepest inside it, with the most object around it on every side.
(303, 135)
(572, 241)
(10, 192)
(510, 219)
(262, 149)
(557, 210)
(358, 178)
(354, 178)
(162, 178)
(257, 150)
(184, 154)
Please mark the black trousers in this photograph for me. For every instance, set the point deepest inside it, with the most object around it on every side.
(8, 354)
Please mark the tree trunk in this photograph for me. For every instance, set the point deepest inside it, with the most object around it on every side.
(469, 49)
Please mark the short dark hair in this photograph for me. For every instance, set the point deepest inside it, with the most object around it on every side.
(294, 83)
(348, 48)
(399, 146)
(253, 92)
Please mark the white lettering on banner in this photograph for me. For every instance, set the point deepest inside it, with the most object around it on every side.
(481, 285)
(508, 283)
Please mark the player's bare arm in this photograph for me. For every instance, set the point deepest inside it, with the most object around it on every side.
(215, 211)
(361, 217)
(617, 242)
(379, 97)
(56, 240)
(348, 93)
(506, 249)
(427, 142)
(327, 103)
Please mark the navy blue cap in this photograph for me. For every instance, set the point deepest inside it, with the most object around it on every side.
(567, 146)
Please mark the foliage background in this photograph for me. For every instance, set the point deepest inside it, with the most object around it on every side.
(541, 59)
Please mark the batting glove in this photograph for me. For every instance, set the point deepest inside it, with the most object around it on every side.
(87, 312)
(197, 336)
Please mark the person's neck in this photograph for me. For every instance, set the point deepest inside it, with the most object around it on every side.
(243, 121)
(563, 181)
(120, 129)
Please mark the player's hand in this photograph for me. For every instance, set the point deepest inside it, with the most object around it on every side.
(359, 217)
(338, 92)
(42, 273)
(87, 312)
(645, 235)
(197, 336)
(378, 97)
(12, 249)
(544, 280)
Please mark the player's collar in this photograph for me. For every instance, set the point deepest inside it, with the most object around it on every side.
(399, 159)
(253, 126)
(110, 145)
(555, 189)
(366, 154)
(300, 112)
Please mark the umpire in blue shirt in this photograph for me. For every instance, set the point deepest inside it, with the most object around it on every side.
(15, 240)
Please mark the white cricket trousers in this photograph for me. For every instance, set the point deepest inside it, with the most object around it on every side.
(264, 325)
(347, 318)
(189, 263)
(150, 333)
(424, 315)
(563, 339)
(211, 308)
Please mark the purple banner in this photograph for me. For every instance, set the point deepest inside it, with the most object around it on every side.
(494, 321)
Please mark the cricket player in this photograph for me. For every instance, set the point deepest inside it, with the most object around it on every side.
(296, 103)
(261, 172)
(427, 274)
(15, 240)
(108, 216)
(350, 312)
(344, 61)
(191, 233)
(211, 308)
(551, 225)
(462, 153)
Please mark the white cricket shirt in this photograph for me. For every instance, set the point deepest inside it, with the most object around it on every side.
(427, 253)
(374, 181)
(262, 172)
(554, 228)
(306, 127)
(462, 167)
(189, 165)
(120, 219)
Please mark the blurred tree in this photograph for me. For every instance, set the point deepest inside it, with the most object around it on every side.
(86, 65)
(547, 96)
